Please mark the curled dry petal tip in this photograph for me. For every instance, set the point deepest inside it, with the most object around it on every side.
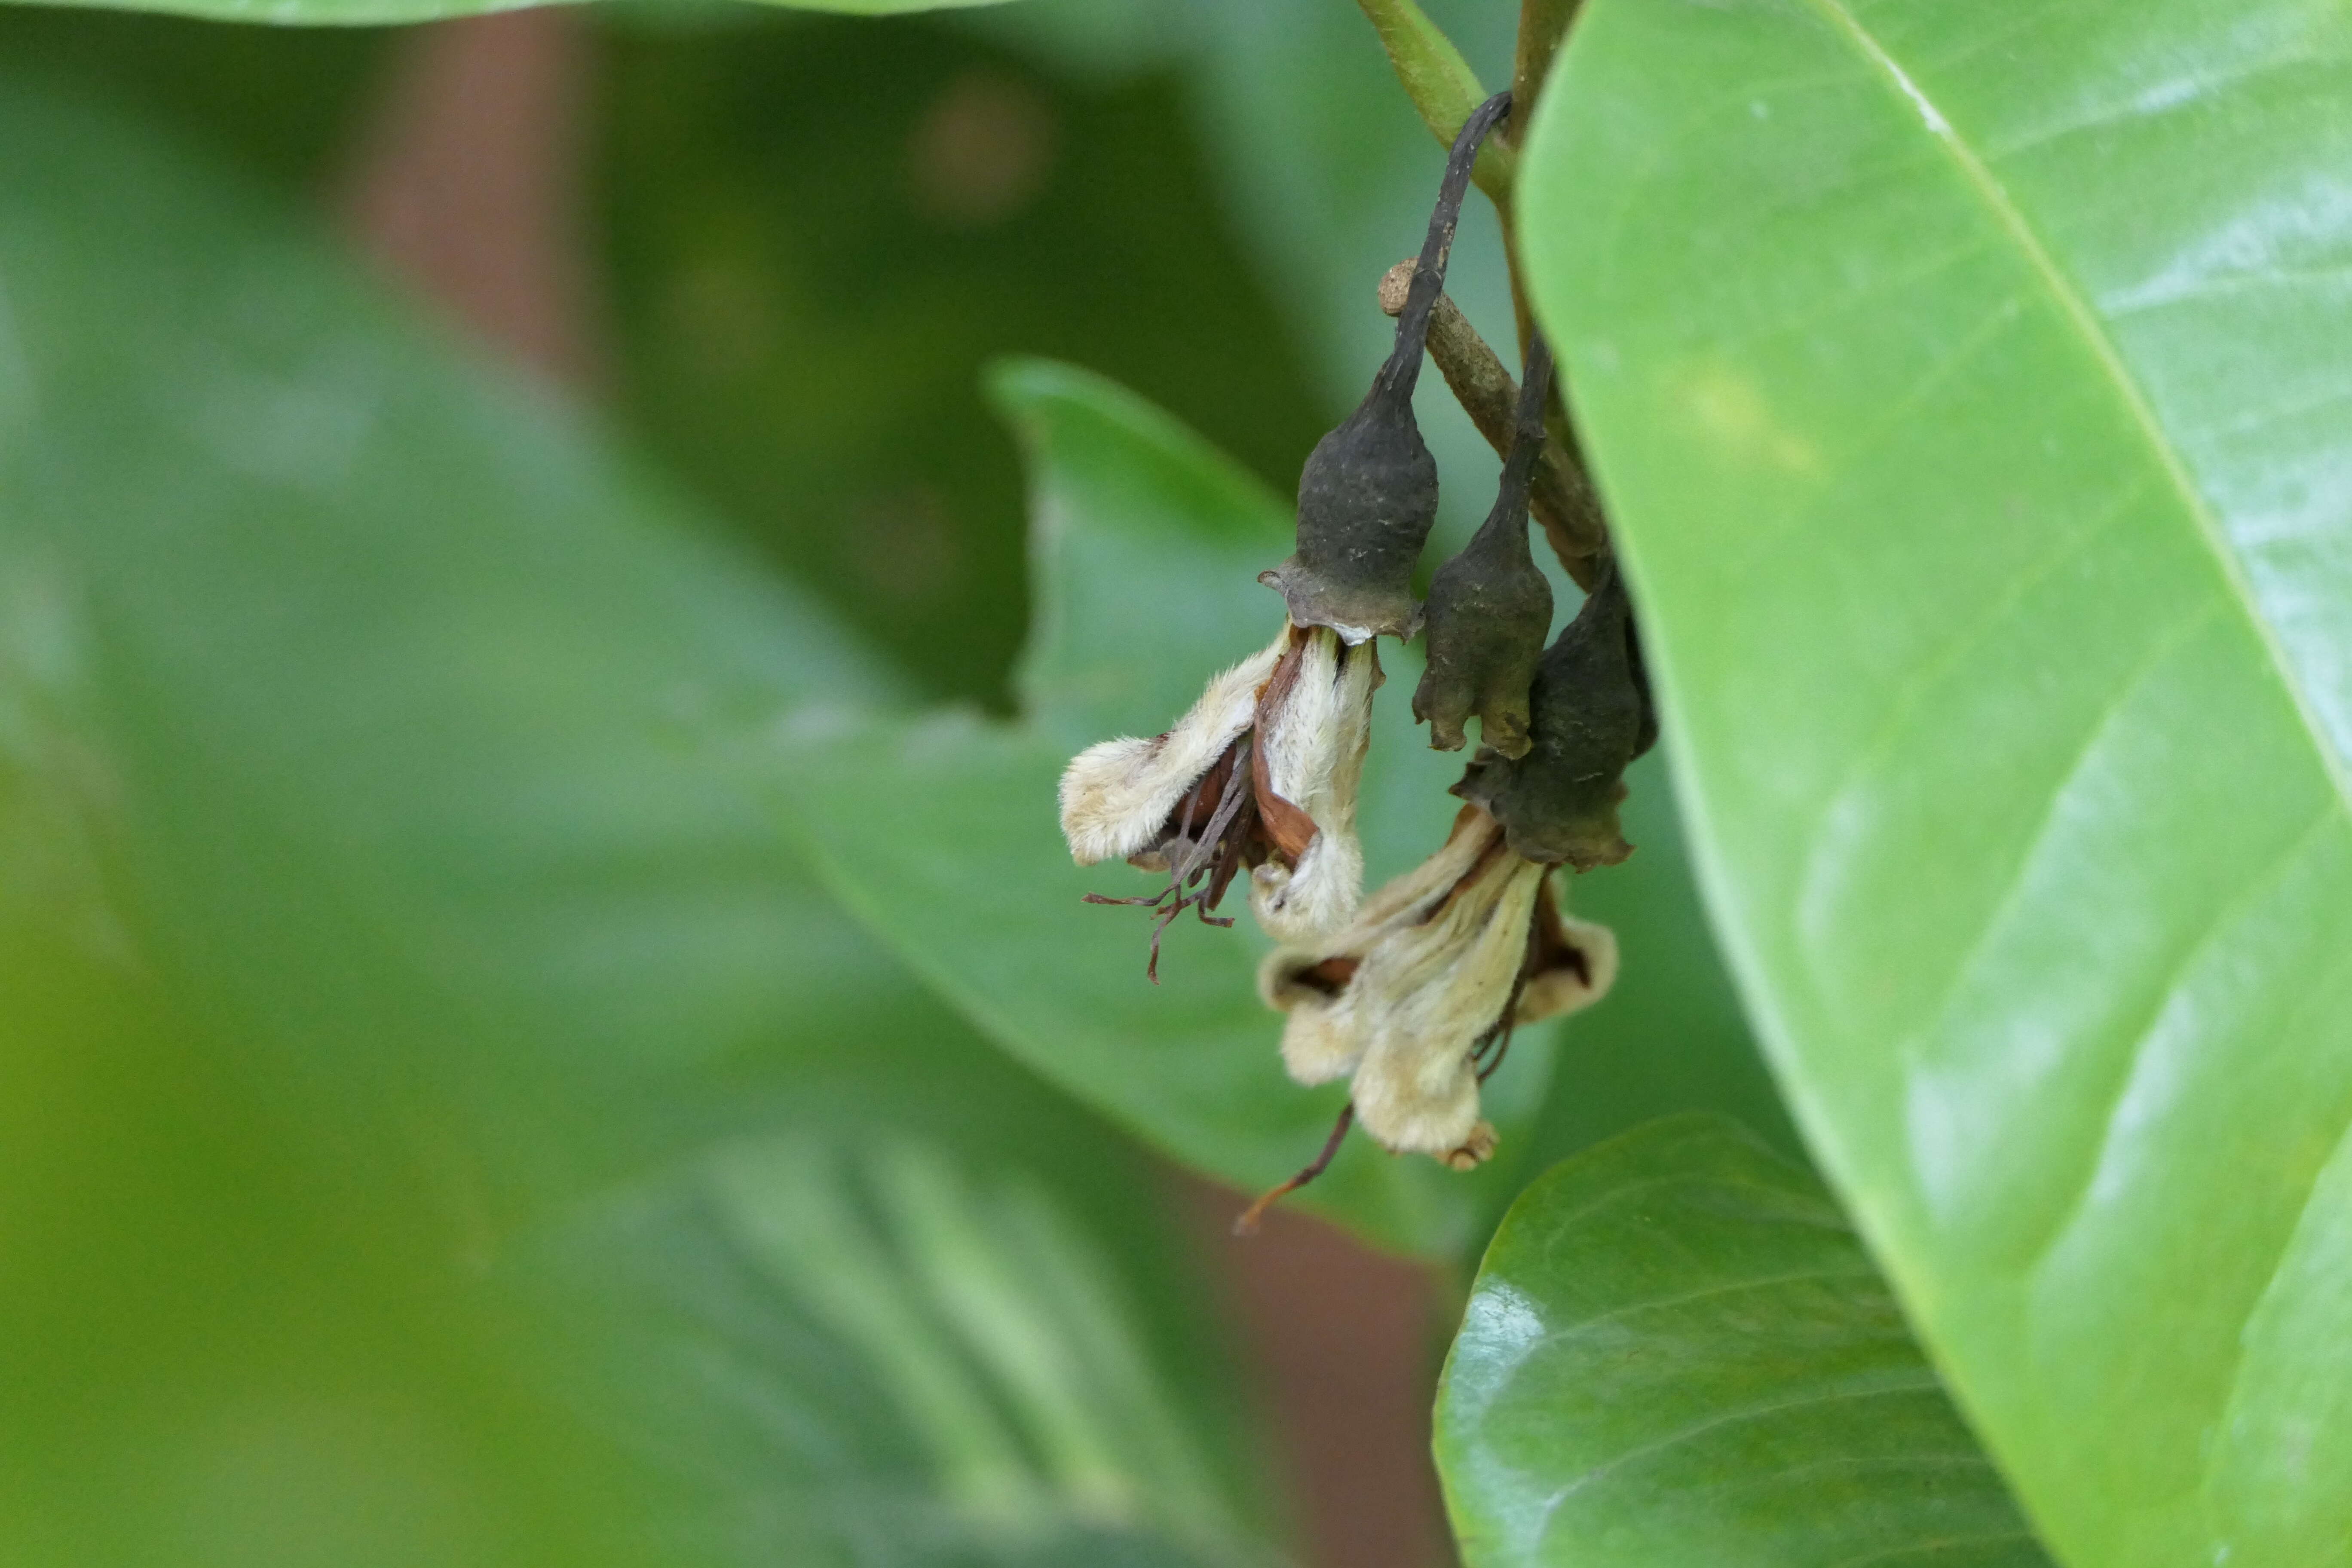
(1476, 1150)
(1116, 796)
(1571, 964)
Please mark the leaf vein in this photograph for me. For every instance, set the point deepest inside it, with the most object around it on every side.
(1729, 1288)
(1942, 1543)
(2159, 651)
(2103, 348)
(2223, 919)
(1925, 1384)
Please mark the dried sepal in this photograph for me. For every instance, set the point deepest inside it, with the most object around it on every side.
(1368, 495)
(1591, 716)
(1367, 500)
(1489, 607)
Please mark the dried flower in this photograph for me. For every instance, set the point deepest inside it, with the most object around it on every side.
(1119, 798)
(1418, 996)
(1261, 773)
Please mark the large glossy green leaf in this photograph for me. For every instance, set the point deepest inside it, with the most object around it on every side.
(1969, 384)
(387, 869)
(1677, 1351)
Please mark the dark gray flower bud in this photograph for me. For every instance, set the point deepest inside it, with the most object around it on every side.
(1591, 716)
(1489, 607)
(1368, 495)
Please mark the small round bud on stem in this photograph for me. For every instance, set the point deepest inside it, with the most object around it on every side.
(1590, 717)
(1489, 607)
(1368, 495)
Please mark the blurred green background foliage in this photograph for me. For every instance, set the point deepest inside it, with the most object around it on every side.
(448, 1116)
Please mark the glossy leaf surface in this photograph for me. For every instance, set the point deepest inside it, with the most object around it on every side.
(389, 870)
(1677, 1351)
(1969, 386)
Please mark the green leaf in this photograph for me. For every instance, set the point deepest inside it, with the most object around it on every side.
(1677, 1351)
(1968, 388)
(389, 868)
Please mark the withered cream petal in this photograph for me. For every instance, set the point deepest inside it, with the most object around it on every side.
(1404, 993)
(1116, 796)
(1439, 986)
(1315, 741)
(1401, 997)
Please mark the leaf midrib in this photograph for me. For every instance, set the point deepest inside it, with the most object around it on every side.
(2087, 325)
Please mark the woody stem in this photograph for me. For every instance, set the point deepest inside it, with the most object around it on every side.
(1562, 498)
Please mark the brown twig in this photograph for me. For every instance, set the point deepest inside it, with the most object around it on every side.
(1562, 498)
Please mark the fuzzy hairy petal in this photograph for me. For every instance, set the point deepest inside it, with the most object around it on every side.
(1426, 998)
(1116, 796)
(1314, 745)
(1402, 996)
(1321, 1041)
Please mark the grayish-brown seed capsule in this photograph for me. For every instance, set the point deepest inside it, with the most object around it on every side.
(1489, 607)
(1368, 495)
(1590, 717)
